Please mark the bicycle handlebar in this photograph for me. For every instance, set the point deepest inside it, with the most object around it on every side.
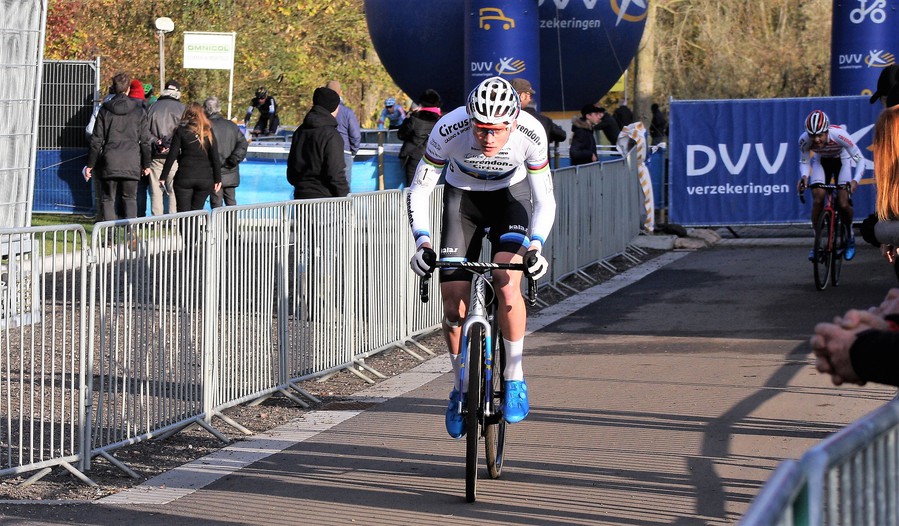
(820, 185)
(480, 267)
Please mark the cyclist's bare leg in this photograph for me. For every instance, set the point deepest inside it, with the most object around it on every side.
(817, 205)
(512, 312)
(845, 206)
(455, 302)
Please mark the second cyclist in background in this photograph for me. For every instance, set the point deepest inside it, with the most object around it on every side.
(834, 152)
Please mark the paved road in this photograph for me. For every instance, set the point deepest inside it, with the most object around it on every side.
(666, 400)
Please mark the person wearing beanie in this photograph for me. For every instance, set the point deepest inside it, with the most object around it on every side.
(315, 164)
(137, 93)
(165, 116)
(350, 131)
(583, 142)
(415, 130)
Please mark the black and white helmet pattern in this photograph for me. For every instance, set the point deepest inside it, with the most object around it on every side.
(494, 101)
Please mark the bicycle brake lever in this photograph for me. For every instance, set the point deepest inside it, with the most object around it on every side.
(423, 288)
(532, 292)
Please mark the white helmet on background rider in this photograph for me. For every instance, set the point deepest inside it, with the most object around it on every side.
(494, 101)
(817, 122)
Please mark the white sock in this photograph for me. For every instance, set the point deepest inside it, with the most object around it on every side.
(514, 354)
(455, 360)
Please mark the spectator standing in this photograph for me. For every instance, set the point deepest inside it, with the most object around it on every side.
(315, 162)
(232, 150)
(350, 131)
(195, 150)
(165, 116)
(608, 126)
(583, 141)
(526, 92)
(97, 179)
(392, 112)
(415, 130)
(120, 145)
(268, 113)
(658, 127)
(138, 93)
(623, 115)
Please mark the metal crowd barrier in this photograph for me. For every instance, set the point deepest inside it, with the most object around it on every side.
(164, 322)
(850, 478)
(44, 396)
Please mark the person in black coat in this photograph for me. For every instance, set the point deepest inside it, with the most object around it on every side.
(526, 92)
(232, 149)
(199, 168)
(415, 130)
(608, 126)
(315, 163)
(583, 142)
(120, 149)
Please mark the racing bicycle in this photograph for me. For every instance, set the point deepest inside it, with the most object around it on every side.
(831, 238)
(483, 362)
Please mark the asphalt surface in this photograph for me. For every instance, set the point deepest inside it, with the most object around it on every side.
(665, 396)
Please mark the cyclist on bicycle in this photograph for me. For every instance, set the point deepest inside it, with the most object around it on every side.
(833, 149)
(495, 159)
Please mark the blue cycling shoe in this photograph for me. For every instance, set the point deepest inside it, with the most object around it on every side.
(516, 405)
(850, 249)
(455, 424)
(811, 255)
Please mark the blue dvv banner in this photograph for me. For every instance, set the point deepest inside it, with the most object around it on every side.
(736, 162)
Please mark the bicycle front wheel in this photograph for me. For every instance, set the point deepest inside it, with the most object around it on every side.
(823, 250)
(495, 427)
(472, 404)
(840, 240)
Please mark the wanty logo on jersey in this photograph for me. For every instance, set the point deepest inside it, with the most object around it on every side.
(869, 9)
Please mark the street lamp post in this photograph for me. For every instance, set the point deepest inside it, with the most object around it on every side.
(163, 25)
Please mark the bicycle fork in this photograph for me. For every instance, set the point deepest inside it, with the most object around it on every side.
(477, 315)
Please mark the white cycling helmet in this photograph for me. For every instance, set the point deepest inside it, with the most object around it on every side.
(494, 101)
(816, 122)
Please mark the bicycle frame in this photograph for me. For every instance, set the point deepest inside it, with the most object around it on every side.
(478, 312)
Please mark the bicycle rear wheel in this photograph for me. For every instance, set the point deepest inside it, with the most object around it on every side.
(840, 240)
(823, 254)
(472, 404)
(495, 427)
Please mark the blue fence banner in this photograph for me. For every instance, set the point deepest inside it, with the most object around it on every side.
(736, 162)
(863, 42)
(501, 41)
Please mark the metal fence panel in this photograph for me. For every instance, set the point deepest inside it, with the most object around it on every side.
(42, 348)
(21, 49)
(147, 294)
(68, 92)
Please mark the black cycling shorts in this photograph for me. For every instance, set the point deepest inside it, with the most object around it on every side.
(467, 215)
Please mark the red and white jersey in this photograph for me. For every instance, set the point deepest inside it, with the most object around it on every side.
(839, 144)
(452, 146)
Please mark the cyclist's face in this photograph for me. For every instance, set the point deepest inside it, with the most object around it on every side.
(491, 140)
(819, 140)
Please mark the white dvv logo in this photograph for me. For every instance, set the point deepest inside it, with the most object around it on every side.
(711, 159)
